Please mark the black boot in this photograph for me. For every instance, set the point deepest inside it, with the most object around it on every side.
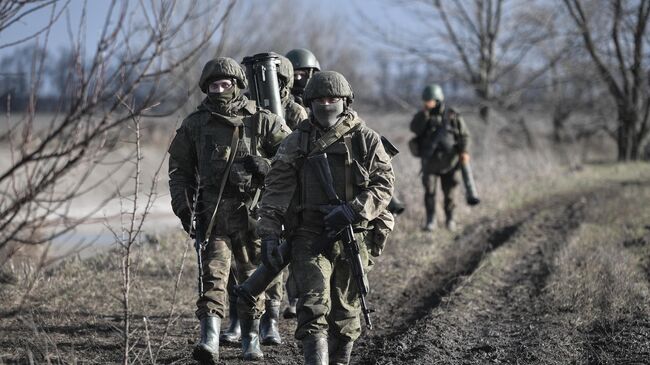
(430, 224)
(269, 331)
(250, 339)
(233, 333)
(315, 350)
(290, 310)
(339, 351)
(450, 223)
(206, 351)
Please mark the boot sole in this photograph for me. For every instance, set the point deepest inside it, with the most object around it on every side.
(271, 342)
(205, 357)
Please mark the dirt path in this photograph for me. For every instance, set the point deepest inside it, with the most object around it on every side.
(565, 279)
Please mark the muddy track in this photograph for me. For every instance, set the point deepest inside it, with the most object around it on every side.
(475, 312)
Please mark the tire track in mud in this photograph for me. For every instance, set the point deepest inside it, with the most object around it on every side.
(411, 338)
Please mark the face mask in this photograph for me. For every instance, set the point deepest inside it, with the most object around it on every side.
(220, 99)
(327, 114)
(300, 84)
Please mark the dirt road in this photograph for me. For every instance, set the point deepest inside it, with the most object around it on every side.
(555, 280)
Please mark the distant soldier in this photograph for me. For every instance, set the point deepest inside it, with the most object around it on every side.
(223, 150)
(441, 141)
(305, 65)
(295, 196)
(294, 113)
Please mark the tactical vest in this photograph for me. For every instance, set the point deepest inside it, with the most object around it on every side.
(214, 149)
(345, 157)
(441, 157)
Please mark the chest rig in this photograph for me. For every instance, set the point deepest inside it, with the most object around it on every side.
(346, 151)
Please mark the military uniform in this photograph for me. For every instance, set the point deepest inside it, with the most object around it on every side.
(362, 173)
(441, 160)
(199, 156)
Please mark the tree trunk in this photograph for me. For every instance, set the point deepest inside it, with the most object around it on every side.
(628, 148)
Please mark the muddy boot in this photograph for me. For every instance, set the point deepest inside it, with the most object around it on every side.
(206, 351)
(269, 331)
(450, 223)
(233, 333)
(250, 339)
(340, 351)
(315, 349)
(430, 225)
(290, 310)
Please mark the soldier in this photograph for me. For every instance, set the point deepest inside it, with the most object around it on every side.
(328, 306)
(294, 113)
(222, 149)
(305, 65)
(441, 141)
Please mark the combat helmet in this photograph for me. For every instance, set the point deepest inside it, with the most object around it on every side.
(328, 83)
(285, 71)
(303, 58)
(433, 92)
(222, 67)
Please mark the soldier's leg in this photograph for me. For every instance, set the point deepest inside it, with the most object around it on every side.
(312, 271)
(269, 331)
(246, 253)
(449, 182)
(430, 182)
(211, 306)
(292, 295)
(344, 318)
(233, 333)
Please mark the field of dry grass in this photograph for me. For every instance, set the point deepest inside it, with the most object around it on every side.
(552, 267)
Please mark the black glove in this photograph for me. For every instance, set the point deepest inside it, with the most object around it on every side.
(340, 216)
(185, 216)
(256, 165)
(271, 255)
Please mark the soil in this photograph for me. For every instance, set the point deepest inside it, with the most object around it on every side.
(481, 296)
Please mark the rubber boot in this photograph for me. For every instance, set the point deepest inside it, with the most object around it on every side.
(269, 331)
(340, 351)
(290, 310)
(233, 333)
(250, 339)
(315, 350)
(206, 351)
(451, 223)
(430, 225)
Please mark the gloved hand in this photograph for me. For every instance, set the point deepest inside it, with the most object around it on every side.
(185, 216)
(340, 216)
(271, 255)
(256, 165)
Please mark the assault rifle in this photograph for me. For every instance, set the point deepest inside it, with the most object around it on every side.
(350, 244)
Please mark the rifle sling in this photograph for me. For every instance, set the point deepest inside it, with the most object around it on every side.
(234, 145)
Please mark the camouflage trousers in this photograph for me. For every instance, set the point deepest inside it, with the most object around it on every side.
(448, 182)
(328, 301)
(233, 238)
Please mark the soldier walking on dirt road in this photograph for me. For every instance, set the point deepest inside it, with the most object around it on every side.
(296, 196)
(441, 141)
(221, 150)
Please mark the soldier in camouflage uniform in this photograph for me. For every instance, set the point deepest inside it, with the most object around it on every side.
(294, 113)
(441, 141)
(305, 65)
(328, 306)
(227, 130)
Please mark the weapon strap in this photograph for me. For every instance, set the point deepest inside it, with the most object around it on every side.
(258, 191)
(234, 145)
(334, 134)
(348, 168)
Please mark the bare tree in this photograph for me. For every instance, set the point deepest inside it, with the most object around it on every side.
(490, 45)
(51, 163)
(615, 35)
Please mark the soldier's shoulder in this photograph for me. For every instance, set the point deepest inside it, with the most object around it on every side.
(289, 150)
(367, 132)
(453, 113)
(195, 118)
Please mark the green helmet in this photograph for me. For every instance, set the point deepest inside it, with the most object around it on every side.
(222, 67)
(433, 92)
(303, 58)
(285, 71)
(328, 83)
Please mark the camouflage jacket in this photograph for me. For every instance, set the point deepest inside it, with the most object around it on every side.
(294, 113)
(292, 195)
(202, 146)
(444, 158)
